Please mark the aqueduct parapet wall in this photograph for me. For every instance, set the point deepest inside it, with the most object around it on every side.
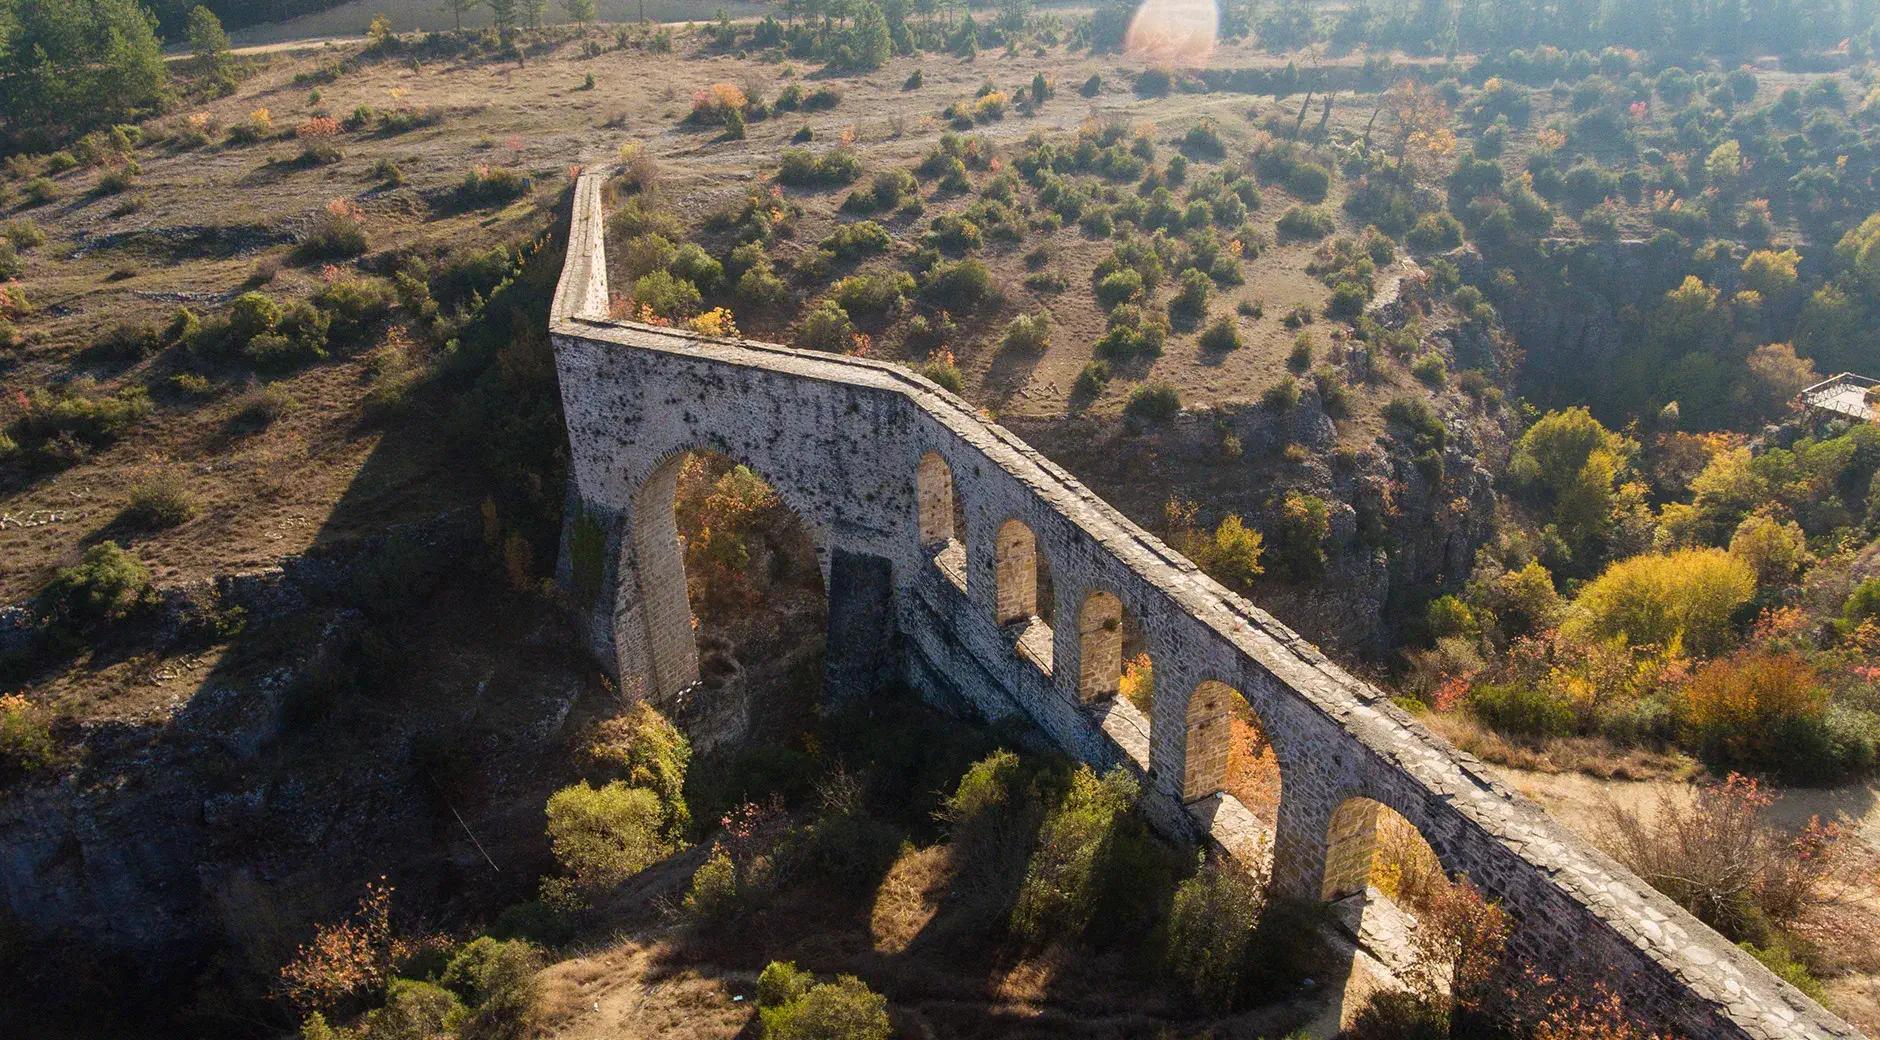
(851, 446)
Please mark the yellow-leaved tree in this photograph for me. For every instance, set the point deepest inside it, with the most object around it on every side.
(1682, 599)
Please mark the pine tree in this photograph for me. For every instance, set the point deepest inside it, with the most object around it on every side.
(503, 13)
(579, 11)
(533, 9)
(457, 9)
(209, 44)
(870, 41)
(69, 65)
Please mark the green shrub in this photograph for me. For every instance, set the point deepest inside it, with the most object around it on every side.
(1092, 86)
(782, 982)
(11, 266)
(1778, 958)
(760, 290)
(644, 254)
(845, 1009)
(1348, 299)
(943, 370)
(602, 836)
(1520, 710)
(497, 980)
(693, 264)
(1221, 335)
(1281, 396)
(1300, 358)
(1306, 222)
(107, 584)
(353, 306)
(863, 238)
(492, 186)
(826, 327)
(798, 167)
(264, 406)
(1304, 525)
(1190, 301)
(1210, 929)
(643, 748)
(1030, 333)
(1435, 233)
(298, 338)
(82, 413)
(1133, 334)
(637, 218)
(957, 283)
(1862, 604)
(23, 234)
(26, 743)
(712, 897)
(41, 190)
(1154, 82)
(668, 295)
(1118, 287)
(338, 232)
(160, 500)
(1309, 181)
(1430, 369)
(1092, 378)
(414, 1010)
(1066, 877)
(1153, 402)
(873, 294)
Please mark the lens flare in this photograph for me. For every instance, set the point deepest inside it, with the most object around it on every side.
(1177, 33)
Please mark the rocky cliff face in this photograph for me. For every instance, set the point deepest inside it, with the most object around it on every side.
(327, 746)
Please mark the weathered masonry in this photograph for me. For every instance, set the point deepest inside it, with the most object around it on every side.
(962, 562)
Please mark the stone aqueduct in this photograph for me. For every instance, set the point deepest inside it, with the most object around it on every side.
(929, 524)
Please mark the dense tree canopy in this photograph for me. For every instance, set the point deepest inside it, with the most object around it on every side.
(71, 64)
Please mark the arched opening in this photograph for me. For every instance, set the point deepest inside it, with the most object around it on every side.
(1022, 594)
(731, 596)
(1115, 677)
(1392, 896)
(1230, 774)
(942, 517)
(1372, 850)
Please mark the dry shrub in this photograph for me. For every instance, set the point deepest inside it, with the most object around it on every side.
(1460, 942)
(639, 171)
(1741, 707)
(346, 959)
(1552, 1009)
(1715, 856)
(317, 126)
(161, 499)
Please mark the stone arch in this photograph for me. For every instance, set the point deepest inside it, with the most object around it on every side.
(1021, 591)
(941, 517)
(1369, 845)
(1017, 567)
(934, 497)
(1227, 752)
(656, 587)
(1099, 646)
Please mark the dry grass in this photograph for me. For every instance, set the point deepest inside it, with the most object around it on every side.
(1590, 755)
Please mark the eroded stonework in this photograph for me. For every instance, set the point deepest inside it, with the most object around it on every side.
(851, 445)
